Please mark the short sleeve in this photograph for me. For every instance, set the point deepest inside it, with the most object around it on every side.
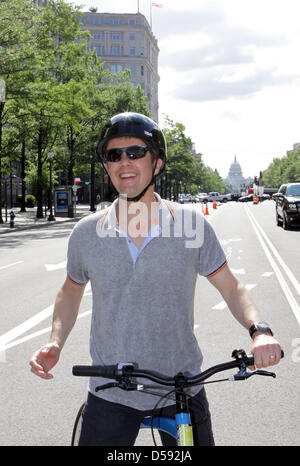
(212, 258)
(76, 265)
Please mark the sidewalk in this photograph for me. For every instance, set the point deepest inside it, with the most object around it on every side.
(27, 220)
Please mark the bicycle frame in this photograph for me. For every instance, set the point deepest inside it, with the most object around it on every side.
(180, 428)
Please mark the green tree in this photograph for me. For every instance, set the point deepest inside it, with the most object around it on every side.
(283, 170)
(181, 167)
(17, 55)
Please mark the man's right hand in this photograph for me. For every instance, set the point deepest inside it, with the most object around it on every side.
(44, 360)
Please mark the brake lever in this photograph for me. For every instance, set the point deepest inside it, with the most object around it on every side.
(243, 375)
(124, 384)
(108, 385)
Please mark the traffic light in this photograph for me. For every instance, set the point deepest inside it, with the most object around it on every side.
(255, 180)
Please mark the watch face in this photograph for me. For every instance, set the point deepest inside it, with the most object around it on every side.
(263, 326)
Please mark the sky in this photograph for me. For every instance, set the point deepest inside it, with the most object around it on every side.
(229, 72)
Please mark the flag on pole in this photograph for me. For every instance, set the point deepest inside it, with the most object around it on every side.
(158, 5)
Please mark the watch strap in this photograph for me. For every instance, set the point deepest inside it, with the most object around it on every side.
(261, 327)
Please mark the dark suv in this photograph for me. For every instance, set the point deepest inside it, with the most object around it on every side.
(288, 205)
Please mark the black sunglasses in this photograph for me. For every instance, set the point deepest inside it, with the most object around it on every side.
(132, 152)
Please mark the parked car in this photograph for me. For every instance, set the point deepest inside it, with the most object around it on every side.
(287, 207)
(248, 198)
(184, 198)
(201, 196)
(215, 196)
(233, 196)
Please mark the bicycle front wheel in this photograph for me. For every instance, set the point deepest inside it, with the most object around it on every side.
(77, 427)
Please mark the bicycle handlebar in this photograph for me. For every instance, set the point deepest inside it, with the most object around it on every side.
(121, 370)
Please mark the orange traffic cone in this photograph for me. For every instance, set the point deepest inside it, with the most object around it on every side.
(206, 210)
(214, 205)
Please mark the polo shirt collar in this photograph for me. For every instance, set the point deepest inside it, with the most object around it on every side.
(108, 219)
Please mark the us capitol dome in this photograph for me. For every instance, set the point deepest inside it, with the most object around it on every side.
(235, 179)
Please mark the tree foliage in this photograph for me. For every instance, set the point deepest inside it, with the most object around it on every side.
(283, 170)
(186, 168)
(58, 97)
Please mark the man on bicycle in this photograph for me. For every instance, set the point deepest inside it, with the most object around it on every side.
(142, 256)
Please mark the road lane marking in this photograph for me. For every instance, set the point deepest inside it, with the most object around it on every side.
(285, 288)
(224, 242)
(222, 304)
(36, 334)
(25, 326)
(10, 265)
(14, 333)
(51, 267)
(287, 270)
(238, 271)
(219, 307)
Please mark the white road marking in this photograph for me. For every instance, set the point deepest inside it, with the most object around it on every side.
(32, 322)
(11, 335)
(223, 242)
(250, 287)
(285, 288)
(267, 274)
(25, 326)
(37, 334)
(238, 271)
(287, 270)
(222, 304)
(51, 267)
(10, 265)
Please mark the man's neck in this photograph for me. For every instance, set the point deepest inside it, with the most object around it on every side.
(137, 218)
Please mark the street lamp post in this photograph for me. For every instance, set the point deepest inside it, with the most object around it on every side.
(51, 217)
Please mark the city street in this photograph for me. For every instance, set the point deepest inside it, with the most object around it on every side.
(260, 411)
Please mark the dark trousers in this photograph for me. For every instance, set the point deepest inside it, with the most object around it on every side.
(111, 424)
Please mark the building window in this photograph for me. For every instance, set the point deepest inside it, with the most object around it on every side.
(114, 36)
(132, 69)
(142, 70)
(131, 36)
(142, 50)
(132, 51)
(96, 21)
(116, 50)
(115, 21)
(115, 68)
(98, 36)
(99, 51)
(132, 21)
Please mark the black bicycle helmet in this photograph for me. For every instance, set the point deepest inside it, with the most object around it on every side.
(139, 126)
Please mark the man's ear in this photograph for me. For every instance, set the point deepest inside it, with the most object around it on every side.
(158, 162)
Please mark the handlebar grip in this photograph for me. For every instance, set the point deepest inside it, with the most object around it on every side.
(250, 358)
(109, 372)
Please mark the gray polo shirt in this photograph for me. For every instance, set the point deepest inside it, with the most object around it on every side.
(143, 304)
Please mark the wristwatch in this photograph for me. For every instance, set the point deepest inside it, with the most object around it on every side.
(261, 327)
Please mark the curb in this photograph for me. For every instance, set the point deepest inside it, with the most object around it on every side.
(31, 227)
